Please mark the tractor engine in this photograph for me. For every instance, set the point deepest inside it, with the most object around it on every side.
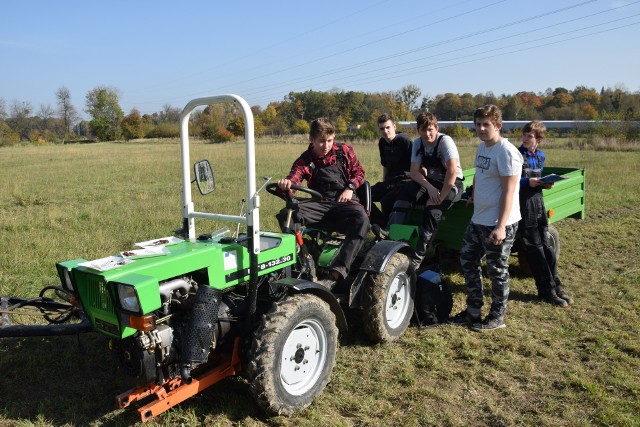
(189, 325)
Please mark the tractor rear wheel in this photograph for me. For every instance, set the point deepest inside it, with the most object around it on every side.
(388, 300)
(293, 354)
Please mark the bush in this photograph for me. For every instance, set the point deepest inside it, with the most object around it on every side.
(366, 133)
(221, 135)
(164, 130)
(458, 132)
(301, 127)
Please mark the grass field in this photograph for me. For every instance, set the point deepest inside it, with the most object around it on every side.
(550, 366)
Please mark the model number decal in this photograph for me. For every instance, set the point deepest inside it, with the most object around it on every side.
(274, 262)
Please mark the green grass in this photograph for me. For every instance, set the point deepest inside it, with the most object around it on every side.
(550, 366)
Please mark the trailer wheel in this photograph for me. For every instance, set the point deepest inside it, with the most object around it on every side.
(293, 354)
(554, 239)
(388, 300)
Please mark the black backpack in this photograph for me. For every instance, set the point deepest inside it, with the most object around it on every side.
(434, 300)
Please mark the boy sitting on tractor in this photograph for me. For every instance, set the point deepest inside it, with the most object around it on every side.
(436, 182)
(333, 170)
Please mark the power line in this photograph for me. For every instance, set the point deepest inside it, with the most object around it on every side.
(394, 56)
(215, 90)
(375, 76)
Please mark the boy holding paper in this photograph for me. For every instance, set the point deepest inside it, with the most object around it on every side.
(534, 224)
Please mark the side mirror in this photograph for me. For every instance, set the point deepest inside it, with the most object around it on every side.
(204, 177)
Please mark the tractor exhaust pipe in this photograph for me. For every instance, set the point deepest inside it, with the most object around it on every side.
(201, 329)
(185, 373)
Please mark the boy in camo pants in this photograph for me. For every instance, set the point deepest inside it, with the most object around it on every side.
(493, 226)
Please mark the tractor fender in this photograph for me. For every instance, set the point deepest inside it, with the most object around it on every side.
(375, 262)
(378, 256)
(308, 287)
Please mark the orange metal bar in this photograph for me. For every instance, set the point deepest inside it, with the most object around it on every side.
(175, 391)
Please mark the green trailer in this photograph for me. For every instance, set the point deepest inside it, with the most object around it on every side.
(566, 199)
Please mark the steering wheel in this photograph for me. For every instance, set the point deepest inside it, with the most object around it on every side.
(273, 188)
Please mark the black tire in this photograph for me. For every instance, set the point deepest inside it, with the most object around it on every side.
(285, 371)
(554, 239)
(388, 300)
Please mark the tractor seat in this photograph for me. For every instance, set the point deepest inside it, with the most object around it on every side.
(364, 194)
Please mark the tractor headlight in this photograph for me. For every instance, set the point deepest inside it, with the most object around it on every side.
(128, 297)
(66, 280)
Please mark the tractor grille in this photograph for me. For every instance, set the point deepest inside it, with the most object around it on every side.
(96, 295)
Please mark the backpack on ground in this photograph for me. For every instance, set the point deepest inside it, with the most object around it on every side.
(434, 300)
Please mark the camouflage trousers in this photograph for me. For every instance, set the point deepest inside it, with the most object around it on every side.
(475, 246)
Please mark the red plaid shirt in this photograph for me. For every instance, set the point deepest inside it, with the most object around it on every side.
(301, 169)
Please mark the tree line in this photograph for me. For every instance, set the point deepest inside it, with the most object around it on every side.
(352, 112)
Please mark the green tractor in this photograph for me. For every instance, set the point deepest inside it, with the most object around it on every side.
(186, 311)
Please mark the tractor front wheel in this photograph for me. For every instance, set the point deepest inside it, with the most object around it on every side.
(388, 300)
(293, 354)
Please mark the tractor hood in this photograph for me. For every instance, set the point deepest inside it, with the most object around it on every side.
(220, 263)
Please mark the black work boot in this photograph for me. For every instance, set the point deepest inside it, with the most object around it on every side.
(561, 294)
(552, 298)
(464, 319)
(379, 232)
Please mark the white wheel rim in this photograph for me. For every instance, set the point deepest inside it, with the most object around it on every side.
(303, 357)
(397, 302)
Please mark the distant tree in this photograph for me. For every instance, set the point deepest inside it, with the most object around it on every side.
(45, 113)
(278, 127)
(269, 114)
(236, 126)
(426, 104)
(385, 102)
(562, 99)
(486, 98)
(514, 109)
(448, 107)
(588, 112)
(467, 107)
(7, 135)
(258, 126)
(212, 116)
(529, 99)
(301, 127)
(20, 118)
(352, 107)
(132, 125)
(584, 95)
(66, 110)
(169, 114)
(3, 109)
(102, 104)
(340, 124)
(82, 128)
(409, 95)
(310, 104)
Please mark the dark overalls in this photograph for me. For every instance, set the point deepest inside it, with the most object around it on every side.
(432, 214)
(534, 232)
(328, 214)
(395, 156)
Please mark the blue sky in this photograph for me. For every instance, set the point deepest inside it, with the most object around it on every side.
(168, 52)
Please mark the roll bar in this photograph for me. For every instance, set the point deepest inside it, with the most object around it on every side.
(252, 218)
